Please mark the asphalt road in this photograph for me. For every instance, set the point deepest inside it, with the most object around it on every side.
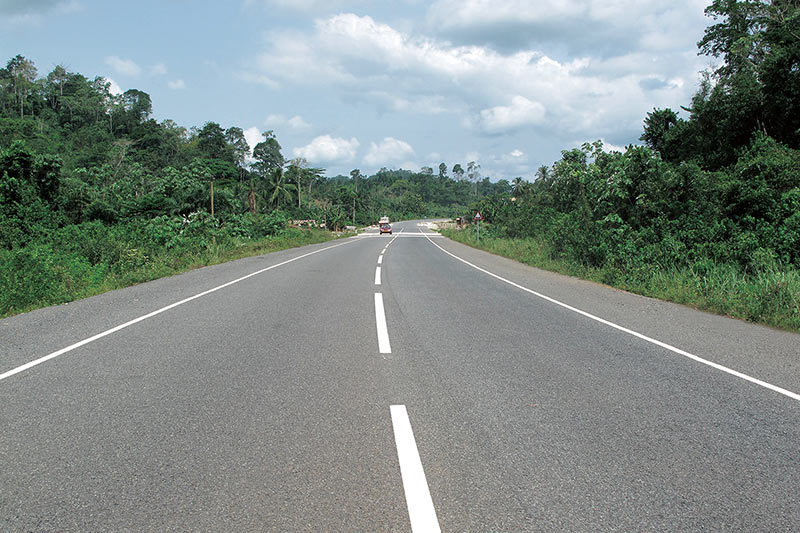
(281, 403)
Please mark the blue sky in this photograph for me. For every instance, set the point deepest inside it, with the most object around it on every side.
(367, 84)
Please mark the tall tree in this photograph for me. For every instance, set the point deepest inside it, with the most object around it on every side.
(22, 74)
(267, 155)
(458, 172)
(442, 170)
(212, 143)
(474, 173)
(542, 173)
(238, 144)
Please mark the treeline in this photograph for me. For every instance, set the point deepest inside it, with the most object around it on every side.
(713, 195)
(71, 151)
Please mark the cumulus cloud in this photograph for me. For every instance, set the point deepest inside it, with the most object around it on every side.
(601, 96)
(521, 112)
(327, 150)
(388, 151)
(126, 67)
(176, 85)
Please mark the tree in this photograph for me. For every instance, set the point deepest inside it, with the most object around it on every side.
(22, 74)
(212, 143)
(267, 155)
(296, 172)
(458, 172)
(474, 173)
(56, 81)
(542, 173)
(656, 125)
(442, 170)
(279, 190)
(758, 83)
(238, 144)
(428, 171)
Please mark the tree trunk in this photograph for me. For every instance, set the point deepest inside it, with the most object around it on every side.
(252, 199)
(212, 198)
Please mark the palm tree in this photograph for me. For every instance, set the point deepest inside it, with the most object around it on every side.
(279, 189)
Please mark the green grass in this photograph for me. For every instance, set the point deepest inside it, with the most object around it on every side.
(46, 274)
(769, 296)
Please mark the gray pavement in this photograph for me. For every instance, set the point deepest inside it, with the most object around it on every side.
(264, 406)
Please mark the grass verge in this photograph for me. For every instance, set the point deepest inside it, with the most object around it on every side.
(48, 274)
(769, 296)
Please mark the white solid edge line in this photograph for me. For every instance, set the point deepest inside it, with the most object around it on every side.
(380, 324)
(377, 275)
(421, 512)
(669, 347)
(71, 347)
(380, 259)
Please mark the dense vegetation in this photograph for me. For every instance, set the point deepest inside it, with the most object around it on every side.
(95, 193)
(708, 210)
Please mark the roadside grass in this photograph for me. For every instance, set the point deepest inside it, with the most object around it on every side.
(43, 275)
(770, 295)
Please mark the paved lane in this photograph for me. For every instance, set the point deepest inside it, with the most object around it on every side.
(532, 417)
(266, 405)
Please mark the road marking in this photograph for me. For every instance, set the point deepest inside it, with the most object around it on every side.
(418, 496)
(651, 340)
(380, 259)
(377, 275)
(380, 323)
(71, 347)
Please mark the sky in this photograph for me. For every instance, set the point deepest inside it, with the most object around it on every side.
(398, 84)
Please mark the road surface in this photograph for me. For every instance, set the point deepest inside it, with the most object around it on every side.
(391, 383)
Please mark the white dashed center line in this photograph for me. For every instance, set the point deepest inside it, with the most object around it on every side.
(380, 259)
(377, 275)
(380, 322)
(418, 496)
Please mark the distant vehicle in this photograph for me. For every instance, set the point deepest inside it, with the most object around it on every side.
(385, 228)
(383, 220)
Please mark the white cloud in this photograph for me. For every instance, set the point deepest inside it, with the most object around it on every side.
(176, 84)
(521, 112)
(390, 150)
(126, 67)
(593, 96)
(253, 136)
(517, 153)
(114, 88)
(295, 123)
(326, 150)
